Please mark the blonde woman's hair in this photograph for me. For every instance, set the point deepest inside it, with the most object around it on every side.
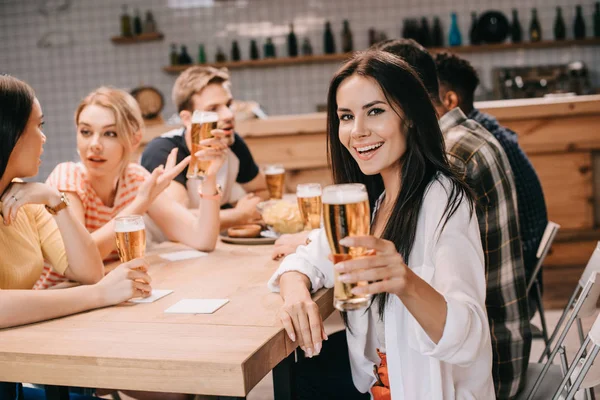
(192, 81)
(128, 116)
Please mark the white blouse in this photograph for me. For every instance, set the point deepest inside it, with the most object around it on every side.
(459, 366)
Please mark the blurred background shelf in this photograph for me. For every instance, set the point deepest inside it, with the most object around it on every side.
(325, 58)
(144, 37)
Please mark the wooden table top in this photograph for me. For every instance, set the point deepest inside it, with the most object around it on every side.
(139, 347)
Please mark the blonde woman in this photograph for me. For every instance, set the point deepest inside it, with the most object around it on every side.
(105, 184)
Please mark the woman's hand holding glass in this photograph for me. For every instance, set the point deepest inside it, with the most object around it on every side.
(215, 150)
(19, 193)
(385, 271)
(125, 282)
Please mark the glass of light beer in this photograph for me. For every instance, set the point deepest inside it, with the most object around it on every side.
(346, 213)
(309, 203)
(130, 233)
(275, 175)
(203, 123)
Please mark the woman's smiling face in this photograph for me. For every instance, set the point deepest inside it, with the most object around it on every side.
(369, 128)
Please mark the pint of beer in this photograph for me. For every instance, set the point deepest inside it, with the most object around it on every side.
(130, 232)
(309, 203)
(275, 175)
(346, 213)
(202, 125)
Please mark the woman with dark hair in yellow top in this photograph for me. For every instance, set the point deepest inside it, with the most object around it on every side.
(38, 226)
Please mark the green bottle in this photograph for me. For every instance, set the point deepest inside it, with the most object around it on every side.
(201, 55)
(174, 55)
(126, 23)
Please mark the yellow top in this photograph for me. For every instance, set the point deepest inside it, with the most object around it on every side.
(24, 245)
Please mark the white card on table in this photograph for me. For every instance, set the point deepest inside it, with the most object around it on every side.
(156, 294)
(196, 306)
(183, 255)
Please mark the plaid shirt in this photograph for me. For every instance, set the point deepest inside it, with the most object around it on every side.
(480, 160)
(533, 217)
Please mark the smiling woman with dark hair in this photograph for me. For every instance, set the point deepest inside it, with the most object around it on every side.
(427, 275)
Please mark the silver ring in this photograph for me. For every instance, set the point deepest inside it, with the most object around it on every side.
(13, 196)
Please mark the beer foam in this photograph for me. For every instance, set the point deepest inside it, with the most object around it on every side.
(200, 117)
(274, 170)
(344, 194)
(129, 224)
(308, 192)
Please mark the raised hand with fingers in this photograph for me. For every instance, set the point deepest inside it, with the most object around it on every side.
(19, 194)
(215, 150)
(125, 282)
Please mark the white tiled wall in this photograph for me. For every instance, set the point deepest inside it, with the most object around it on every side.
(62, 75)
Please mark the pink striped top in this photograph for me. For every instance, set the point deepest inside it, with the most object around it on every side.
(73, 177)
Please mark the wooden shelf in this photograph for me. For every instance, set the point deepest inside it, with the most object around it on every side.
(144, 37)
(326, 58)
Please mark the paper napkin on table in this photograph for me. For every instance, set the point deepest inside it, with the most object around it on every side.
(183, 255)
(156, 294)
(196, 306)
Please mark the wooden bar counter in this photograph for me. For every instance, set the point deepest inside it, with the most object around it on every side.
(560, 136)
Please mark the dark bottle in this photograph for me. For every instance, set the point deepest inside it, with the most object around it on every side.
(149, 23)
(220, 57)
(424, 33)
(201, 55)
(535, 30)
(254, 54)
(137, 23)
(126, 23)
(454, 38)
(347, 43)
(184, 57)
(292, 42)
(174, 56)
(516, 33)
(597, 20)
(269, 49)
(406, 29)
(579, 25)
(372, 37)
(328, 39)
(560, 31)
(306, 47)
(474, 32)
(236, 54)
(437, 36)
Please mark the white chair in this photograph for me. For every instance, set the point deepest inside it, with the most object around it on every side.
(533, 285)
(543, 379)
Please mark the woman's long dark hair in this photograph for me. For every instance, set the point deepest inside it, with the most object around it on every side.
(423, 160)
(16, 103)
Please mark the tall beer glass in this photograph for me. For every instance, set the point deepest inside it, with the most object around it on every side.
(346, 213)
(130, 232)
(309, 203)
(275, 175)
(202, 125)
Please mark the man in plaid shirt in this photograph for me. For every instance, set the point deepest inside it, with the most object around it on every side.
(481, 161)
(458, 81)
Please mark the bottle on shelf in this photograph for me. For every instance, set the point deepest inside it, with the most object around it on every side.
(149, 23)
(184, 57)
(579, 24)
(254, 53)
(516, 33)
(372, 36)
(201, 55)
(437, 35)
(347, 43)
(454, 38)
(292, 42)
(307, 49)
(328, 39)
(269, 49)
(474, 32)
(137, 23)
(174, 56)
(236, 54)
(424, 33)
(126, 23)
(220, 56)
(597, 20)
(560, 31)
(535, 29)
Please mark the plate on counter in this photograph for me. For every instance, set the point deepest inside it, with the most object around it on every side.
(266, 237)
